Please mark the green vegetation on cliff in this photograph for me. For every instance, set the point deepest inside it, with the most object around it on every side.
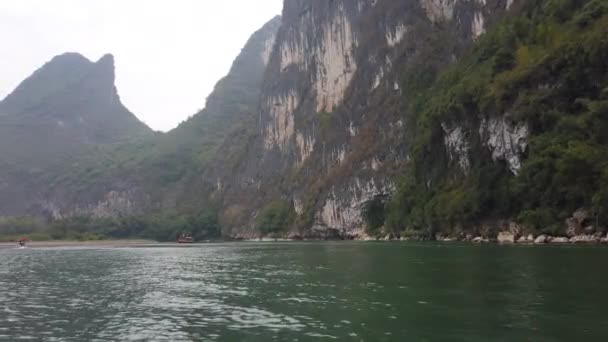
(546, 67)
(202, 225)
(275, 218)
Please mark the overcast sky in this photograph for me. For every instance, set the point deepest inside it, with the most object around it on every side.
(168, 54)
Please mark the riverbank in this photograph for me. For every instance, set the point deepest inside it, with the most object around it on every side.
(72, 243)
(509, 238)
(501, 238)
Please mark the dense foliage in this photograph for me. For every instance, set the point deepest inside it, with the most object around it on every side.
(547, 67)
(275, 218)
(161, 227)
(374, 214)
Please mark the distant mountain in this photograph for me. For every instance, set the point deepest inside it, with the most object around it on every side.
(58, 114)
(74, 97)
(199, 144)
(73, 105)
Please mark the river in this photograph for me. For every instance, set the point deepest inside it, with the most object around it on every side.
(351, 291)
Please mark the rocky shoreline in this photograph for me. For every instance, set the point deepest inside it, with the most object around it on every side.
(578, 229)
(503, 238)
(530, 239)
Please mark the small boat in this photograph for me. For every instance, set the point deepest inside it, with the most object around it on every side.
(185, 238)
(22, 242)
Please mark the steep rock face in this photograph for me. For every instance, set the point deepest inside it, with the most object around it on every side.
(457, 145)
(333, 119)
(506, 141)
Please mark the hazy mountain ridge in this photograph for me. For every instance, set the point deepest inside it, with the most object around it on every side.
(76, 95)
(171, 172)
(64, 111)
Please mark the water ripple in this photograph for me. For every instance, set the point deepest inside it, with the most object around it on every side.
(351, 292)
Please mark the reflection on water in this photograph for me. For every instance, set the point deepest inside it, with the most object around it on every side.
(304, 292)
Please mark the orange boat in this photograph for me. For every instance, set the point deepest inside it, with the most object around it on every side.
(185, 239)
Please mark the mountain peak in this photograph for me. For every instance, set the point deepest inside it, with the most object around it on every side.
(74, 58)
(107, 59)
(77, 92)
(57, 75)
(69, 57)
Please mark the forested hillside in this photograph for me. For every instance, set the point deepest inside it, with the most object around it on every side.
(63, 112)
(542, 74)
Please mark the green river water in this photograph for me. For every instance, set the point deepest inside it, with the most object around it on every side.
(305, 292)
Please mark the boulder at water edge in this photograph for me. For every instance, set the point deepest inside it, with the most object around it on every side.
(506, 237)
(584, 239)
(541, 239)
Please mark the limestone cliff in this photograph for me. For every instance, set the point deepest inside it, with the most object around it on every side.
(333, 121)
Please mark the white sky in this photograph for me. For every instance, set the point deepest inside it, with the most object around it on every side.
(168, 54)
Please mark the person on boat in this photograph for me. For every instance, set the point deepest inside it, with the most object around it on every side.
(22, 242)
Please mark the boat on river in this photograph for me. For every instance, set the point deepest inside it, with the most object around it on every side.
(22, 242)
(185, 238)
